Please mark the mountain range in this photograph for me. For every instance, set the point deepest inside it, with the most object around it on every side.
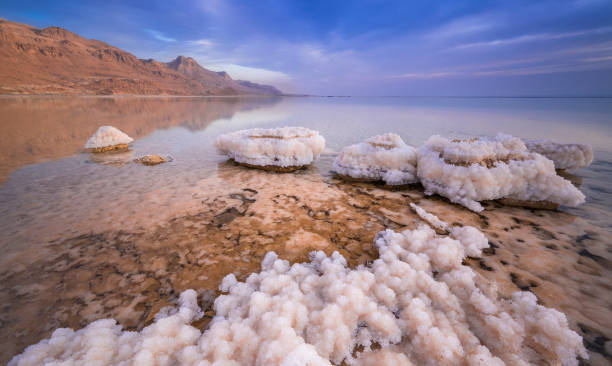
(56, 61)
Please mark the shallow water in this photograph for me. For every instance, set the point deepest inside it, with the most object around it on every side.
(92, 236)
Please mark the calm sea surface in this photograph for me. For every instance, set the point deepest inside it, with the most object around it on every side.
(88, 236)
(45, 176)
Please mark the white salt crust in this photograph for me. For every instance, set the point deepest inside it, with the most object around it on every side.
(522, 175)
(383, 157)
(416, 301)
(476, 150)
(107, 136)
(565, 156)
(282, 147)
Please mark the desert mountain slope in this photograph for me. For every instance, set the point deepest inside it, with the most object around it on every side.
(55, 61)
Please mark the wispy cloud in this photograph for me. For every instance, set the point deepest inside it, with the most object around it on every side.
(159, 36)
(201, 42)
(582, 64)
(255, 74)
(462, 26)
(425, 75)
(214, 7)
(402, 48)
(533, 37)
(598, 59)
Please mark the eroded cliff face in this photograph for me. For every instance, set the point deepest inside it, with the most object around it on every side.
(55, 61)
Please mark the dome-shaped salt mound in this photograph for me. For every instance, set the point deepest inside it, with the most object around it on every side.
(565, 156)
(282, 149)
(488, 169)
(108, 138)
(380, 158)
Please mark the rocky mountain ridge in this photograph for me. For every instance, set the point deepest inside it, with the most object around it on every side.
(54, 60)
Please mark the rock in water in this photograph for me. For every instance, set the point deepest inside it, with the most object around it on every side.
(108, 138)
(380, 158)
(468, 171)
(151, 159)
(565, 156)
(282, 149)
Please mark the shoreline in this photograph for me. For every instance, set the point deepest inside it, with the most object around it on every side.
(317, 96)
(129, 272)
(90, 237)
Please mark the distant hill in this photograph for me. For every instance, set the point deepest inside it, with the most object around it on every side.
(55, 61)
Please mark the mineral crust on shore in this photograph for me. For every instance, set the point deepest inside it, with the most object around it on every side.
(282, 149)
(380, 158)
(565, 156)
(470, 171)
(416, 304)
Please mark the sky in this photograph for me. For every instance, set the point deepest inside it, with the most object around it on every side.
(361, 47)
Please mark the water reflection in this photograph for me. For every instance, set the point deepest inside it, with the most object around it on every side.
(91, 236)
(112, 158)
(34, 129)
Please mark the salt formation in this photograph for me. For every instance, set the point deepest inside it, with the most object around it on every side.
(108, 138)
(104, 343)
(384, 157)
(279, 149)
(415, 305)
(153, 159)
(565, 156)
(474, 170)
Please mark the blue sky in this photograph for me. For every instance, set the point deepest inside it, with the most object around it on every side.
(361, 47)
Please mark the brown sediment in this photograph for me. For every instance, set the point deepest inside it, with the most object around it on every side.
(473, 139)
(401, 187)
(542, 205)
(381, 145)
(489, 163)
(112, 148)
(151, 160)
(575, 179)
(279, 137)
(348, 178)
(379, 182)
(273, 168)
(133, 265)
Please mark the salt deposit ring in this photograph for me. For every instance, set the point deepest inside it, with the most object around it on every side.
(565, 156)
(474, 170)
(282, 149)
(380, 158)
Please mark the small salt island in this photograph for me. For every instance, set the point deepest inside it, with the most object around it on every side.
(153, 159)
(284, 149)
(108, 138)
(565, 156)
(384, 158)
(479, 169)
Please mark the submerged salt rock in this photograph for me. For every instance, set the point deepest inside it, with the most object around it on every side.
(487, 169)
(108, 138)
(565, 156)
(281, 149)
(153, 159)
(380, 158)
(417, 304)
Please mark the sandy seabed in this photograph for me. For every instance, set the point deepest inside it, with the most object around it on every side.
(131, 264)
